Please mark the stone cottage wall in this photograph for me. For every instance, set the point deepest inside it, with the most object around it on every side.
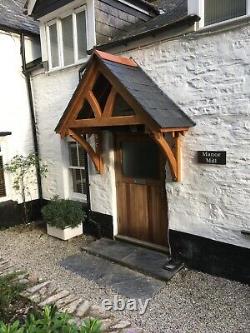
(208, 75)
(14, 107)
(52, 93)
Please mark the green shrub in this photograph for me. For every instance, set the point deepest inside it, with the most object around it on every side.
(9, 292)
(62, 213)
(51, 321)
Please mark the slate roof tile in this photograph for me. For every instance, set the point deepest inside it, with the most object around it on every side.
(152, 99)
(12, 16)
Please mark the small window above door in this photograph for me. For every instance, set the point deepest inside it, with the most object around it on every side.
(140, 159)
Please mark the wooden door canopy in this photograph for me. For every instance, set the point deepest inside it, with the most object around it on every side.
(94, 105)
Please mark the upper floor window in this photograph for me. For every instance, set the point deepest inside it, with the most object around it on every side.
(217, 11)
(67, 39)
(2, 181)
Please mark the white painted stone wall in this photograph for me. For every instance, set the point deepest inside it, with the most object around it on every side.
(208, 76)
(14, 107)
(52, 92)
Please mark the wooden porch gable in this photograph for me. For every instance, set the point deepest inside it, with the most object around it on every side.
(109, 95)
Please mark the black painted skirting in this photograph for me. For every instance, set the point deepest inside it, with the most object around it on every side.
(196, 252)
(212, 257)
(99, 225)
(199, 253)
(12, 213)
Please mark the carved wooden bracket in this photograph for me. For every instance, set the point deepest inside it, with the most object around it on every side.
(173, 154)
(95, 157)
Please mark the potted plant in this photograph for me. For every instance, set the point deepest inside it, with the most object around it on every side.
(64, 218)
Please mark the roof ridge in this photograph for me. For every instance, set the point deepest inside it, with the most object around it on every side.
(116, 58)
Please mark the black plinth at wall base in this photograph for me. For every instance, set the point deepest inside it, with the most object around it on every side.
(99, 225)
(212, 257)
(11, 213)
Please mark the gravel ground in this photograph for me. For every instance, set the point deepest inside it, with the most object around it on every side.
(191, 302)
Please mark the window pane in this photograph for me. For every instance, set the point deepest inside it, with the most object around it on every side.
(140, 159)
(78, 178)
(218, 11)
(2, 182)
(81, 34)
(73, 154)
(53, 45)
(81, 153)
(68, 44)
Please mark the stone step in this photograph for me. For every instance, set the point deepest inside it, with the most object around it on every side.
(138, 258)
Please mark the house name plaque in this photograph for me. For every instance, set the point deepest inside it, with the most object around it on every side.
(212, 157)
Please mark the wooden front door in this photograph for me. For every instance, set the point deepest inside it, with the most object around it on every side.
(141, 195)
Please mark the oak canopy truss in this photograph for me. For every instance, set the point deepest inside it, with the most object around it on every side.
(115, 91)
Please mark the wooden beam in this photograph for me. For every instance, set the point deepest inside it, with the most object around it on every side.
(106, 122)
(108, 110)
(96, 159)
(177, 129)
(159, 138)
(94, 104)
(178, 156)
(77, 99)
(132, 102)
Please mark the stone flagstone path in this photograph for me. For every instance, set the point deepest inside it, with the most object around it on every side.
(45, 293)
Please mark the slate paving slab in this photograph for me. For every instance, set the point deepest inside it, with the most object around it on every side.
(44, 292)
(123, 280)
(141, 259)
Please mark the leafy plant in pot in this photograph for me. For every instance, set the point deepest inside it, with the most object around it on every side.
(64, 218)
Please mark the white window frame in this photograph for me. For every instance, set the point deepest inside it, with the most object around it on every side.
(75, 195)
(58, 23)
(49, 45)
(197, 7)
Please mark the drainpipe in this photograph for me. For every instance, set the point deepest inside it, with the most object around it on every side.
(32, 115)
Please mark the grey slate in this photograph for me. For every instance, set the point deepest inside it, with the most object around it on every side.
(122, 280)
(151, 98)
(12, 16)
(141, 259)
(174, 11)
(170, 6)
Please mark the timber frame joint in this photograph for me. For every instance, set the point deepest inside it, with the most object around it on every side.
(94, 155)
(173, 155)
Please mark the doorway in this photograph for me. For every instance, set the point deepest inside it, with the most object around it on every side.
(141, 194)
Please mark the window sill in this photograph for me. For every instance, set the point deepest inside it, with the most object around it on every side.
(4, 199)
(78, 197)
(60, 69)
(224, 24)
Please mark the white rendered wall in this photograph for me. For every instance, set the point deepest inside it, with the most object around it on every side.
(208, 76)
(52, 93)
(14, 108)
